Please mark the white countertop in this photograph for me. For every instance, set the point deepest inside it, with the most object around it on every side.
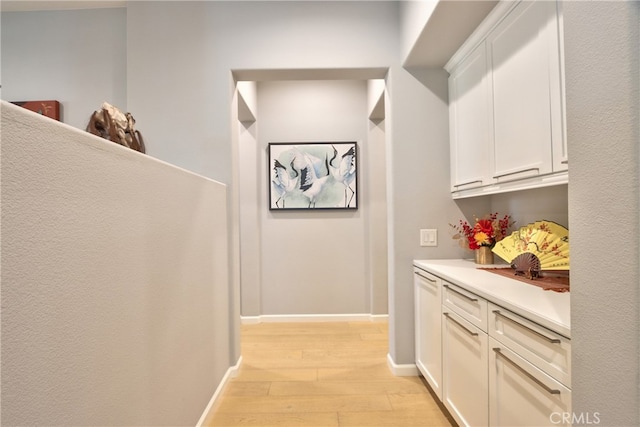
(548, 308)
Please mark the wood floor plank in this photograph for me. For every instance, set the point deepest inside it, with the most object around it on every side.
(321, 375)
(303, 404)
(339, 388)
(282, 354)
(316, 419)
(355, 353)
(248, 388)
(373, 346)
(311, 328)
(413, 418)
(247, 373)
(375, 337)
(409, 401)
(374, 371)
(336, 363)
(316, 358)
(275, 339)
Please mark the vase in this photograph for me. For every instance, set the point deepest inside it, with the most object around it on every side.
(484, 255)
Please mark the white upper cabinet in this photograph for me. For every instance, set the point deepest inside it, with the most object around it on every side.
(470, 119)
(506, 107)
(523, 50)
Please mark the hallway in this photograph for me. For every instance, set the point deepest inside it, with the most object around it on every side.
(321, 374)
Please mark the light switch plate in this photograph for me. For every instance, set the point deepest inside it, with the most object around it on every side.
(429, 237)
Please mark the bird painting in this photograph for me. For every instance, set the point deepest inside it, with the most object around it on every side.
(311, 182)
(283, 182)
(313, 175)
(343, 171)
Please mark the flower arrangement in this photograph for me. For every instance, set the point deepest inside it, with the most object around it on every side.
(487, 231)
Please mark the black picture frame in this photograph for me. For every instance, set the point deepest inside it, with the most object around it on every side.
(312, 175)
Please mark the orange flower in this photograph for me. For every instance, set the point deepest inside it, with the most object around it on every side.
(482, 239)
(487, 231)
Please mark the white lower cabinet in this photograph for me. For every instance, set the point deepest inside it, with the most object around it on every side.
(428, 328)
(464, 366)
(523, 395)
(487, 364)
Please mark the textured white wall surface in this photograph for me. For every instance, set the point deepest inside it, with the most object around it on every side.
(114, 281)
(602, 84)
(77, 57)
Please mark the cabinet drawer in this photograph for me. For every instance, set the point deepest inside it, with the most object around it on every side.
(426, 279)
(522, 395)
(466, 304)
(545, 349)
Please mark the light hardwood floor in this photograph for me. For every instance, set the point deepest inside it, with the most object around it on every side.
(322, 374)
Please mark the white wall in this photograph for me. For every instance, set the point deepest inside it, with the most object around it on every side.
(279, 255)
(180, 56)
(377, 240)
(114, 281)
(249, 177)
(533, 205)
(313, 262)
(602, 86)
(417, 144)
(77, 57)
(180, 99)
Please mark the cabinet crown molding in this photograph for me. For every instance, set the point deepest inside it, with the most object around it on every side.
(498, 13)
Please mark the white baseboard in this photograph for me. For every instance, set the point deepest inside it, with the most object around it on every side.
(250, 320)
(379, 317)
(407, 370)
(232, 372)
(273, 318)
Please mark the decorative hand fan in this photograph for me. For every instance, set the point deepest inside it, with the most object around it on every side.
(539, 246)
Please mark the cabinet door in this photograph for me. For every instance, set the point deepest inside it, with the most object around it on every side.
(469, 122)
(465, 376)
(524, 55)
(521, 394)
(557, 94)
(428, 340)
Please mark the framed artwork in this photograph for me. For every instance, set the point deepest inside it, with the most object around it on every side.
(46, 108)
(313, 175)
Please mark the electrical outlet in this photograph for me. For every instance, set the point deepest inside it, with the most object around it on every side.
(429, 237)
